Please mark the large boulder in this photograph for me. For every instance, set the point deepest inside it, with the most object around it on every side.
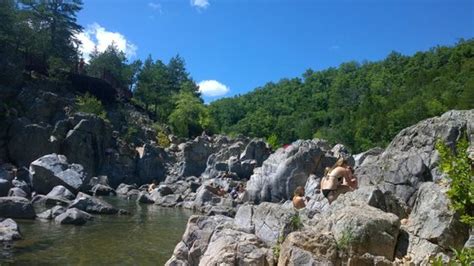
(124, 189)
(194, 156)
(16, 208)
(287, 169)
(309, 248)
(9, 230)
(86, 143)
(232, 247)
(91, 204)
(61, 192)
(52, 213)
(362, 228)
(73, 216)
(238, 157)
(150, 164)
(102, 190)
(53, 170)
(144, 197)
(376, 197)
(411, 158)
(433, 220)
(194, 243)
(30, 141)
(268, 221)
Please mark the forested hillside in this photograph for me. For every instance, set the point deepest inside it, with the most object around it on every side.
(39, 45)
(359, 104)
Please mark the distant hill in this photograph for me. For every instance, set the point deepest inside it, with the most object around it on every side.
(359, 104)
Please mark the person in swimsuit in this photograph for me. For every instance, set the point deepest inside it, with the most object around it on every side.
(299, 200)
(338, 180)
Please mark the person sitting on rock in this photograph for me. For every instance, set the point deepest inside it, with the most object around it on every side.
(299, 200)
(152, 186)
(338, 180)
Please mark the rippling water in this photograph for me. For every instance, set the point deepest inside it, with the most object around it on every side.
(146, 237)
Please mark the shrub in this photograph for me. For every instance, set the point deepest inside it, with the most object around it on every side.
(273, 141)
(464, 256)
(295, 222)
(276, 249)
(90, 104)
(457, 166)
(161, 136)
(343, 242)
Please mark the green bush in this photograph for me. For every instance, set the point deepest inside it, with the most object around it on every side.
(464, 256)
(90, 104)
(344, 241)
(273, 141)
(295, 222)
(458, 167)
(161, 136)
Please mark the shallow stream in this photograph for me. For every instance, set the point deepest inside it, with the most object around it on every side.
(146, 237)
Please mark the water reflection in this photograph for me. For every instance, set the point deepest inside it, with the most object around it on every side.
(147, 236)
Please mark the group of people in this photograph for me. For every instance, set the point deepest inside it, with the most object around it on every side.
(337, 180)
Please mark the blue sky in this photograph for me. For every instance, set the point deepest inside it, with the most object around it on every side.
(234, 46)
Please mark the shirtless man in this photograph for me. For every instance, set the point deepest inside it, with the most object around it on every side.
(299, 200)
(338, 180)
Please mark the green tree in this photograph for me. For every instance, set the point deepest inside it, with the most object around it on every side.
(458, 167)
(190, 117)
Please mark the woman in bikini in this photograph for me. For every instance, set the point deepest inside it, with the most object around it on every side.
(338, 180)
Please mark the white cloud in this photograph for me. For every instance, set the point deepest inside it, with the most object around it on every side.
(155, 6)
(96, 35)
(212, 88)
(334, 47)
(201, 4)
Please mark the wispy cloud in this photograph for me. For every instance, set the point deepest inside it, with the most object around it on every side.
(97, 36)
(334, 47)
(200, 4)
(156, 7)
(213, 88)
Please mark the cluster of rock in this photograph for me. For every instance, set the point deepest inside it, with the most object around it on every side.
(400, 214)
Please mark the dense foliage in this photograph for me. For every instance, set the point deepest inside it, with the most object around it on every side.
(359, 104)
(38, 40)
(37, 34)
(459, 169)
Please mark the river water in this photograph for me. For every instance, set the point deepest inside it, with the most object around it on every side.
(146, 237)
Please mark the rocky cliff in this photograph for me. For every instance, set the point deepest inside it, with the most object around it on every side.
(64, 158)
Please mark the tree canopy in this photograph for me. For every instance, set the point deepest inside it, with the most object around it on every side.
(359, 104)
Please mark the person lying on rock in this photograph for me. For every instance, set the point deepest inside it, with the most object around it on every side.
(299, 200)
(338, 180)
